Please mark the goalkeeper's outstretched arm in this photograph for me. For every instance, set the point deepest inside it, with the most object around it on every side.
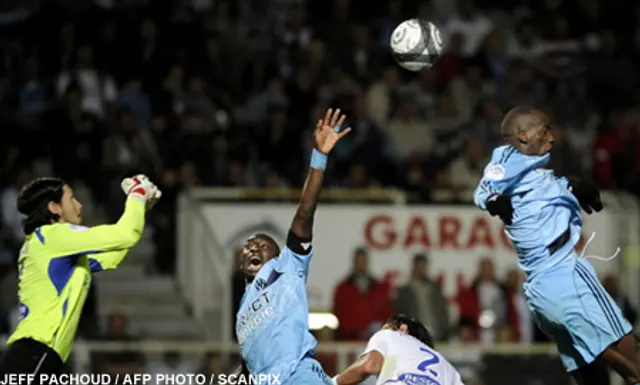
(123, 235)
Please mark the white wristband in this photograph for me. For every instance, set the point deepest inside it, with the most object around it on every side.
(334, 380)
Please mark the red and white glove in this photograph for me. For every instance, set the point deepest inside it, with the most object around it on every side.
(141, 188)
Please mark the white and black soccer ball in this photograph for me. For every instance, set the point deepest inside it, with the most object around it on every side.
(416, 44)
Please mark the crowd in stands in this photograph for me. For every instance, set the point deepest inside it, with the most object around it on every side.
(225, 93)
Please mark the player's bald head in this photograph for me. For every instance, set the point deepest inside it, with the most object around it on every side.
(527, 129)
(515, 120)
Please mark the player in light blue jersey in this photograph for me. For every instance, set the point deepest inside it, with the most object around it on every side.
(542, 218)
(272, 323)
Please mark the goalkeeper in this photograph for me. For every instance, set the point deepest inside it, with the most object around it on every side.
(55, 266)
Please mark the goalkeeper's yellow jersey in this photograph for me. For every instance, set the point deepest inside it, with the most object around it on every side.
(54, 274)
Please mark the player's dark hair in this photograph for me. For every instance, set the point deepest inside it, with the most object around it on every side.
(509, 125)
(34, 199)
(415, 328)
(272, 243)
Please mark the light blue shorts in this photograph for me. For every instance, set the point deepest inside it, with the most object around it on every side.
(570, 305)
(308, 372)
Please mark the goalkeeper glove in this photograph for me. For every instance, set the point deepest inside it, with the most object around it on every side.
(141, 188)
(587, 195)
(500, 206)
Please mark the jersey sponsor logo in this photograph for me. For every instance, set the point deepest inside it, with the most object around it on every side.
(495, 172)
(255, 314)
(413, 379)
(78, 228)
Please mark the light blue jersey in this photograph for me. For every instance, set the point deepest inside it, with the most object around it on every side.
(272, 324)
(562, 290)
(544, 208)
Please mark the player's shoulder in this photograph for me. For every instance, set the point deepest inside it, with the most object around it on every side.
(384, 334)
(57, 232)
(507, 162)
(64, 227)
(504, 155)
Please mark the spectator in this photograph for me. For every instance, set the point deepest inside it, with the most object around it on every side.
(493, 57)
(11, 229)
(616, 164)
(134, 99)
(212, 365)
(468, 89)
(471, 23)
(518, 89)
(487, 124)
(519, 317)
(35, 93)
(8, 289)
(422, 299)
(408, 132)
(171, 363)
(426, 94)
(99, 90)
(484, 302)
(527, 43)
(380, 95)
(360, 302)
(610, 283)
(451, 63)
(612, 77)
(124, 362)
(468, 168)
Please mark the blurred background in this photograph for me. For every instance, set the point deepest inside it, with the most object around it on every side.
(216, 100)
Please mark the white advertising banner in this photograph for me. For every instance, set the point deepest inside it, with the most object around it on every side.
(455, 238)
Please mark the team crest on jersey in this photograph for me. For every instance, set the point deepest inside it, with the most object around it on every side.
(495, 172)
(262, 283)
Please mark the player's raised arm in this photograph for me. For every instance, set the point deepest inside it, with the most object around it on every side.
(107, 243)
(327, 133)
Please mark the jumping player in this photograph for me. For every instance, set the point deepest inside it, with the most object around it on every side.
(542, 217)
(401, 353)
(272, 323)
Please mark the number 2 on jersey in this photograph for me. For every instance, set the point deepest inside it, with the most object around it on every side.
(432, 360)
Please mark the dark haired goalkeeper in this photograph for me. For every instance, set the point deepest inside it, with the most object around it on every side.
(55, 266)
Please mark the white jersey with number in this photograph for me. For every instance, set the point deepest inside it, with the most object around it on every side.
(409, 361)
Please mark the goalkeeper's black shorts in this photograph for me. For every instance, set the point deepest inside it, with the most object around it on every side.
(30, 357)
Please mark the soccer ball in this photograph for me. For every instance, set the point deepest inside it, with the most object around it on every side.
(416, 44)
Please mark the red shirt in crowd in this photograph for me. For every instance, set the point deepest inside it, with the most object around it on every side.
(357, 310)
(616, 158)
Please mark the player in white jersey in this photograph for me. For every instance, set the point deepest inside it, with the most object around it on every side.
(401, 353)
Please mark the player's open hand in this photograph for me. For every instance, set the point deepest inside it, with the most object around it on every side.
(329, 130)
